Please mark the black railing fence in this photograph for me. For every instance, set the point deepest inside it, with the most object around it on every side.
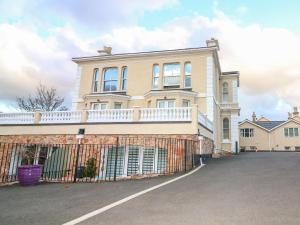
(126, 158)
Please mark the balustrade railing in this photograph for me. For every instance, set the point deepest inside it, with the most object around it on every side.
(17, 118)
(110, 115)
(61, 117)
(165, 114)
(107, 115)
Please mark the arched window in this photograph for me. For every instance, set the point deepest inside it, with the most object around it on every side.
(110, 79)
(95, 86)
(124, 78)
(187, 74)
(225, 92)
(155, 76)
(225, 128)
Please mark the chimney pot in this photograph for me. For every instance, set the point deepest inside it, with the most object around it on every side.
(213, 43)
(254, 119)
(295, 113)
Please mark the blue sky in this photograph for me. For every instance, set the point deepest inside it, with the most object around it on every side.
(261, 39)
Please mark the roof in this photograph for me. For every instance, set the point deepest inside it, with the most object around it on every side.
(263, 119)
(269, 125)
(135, 54)
(231, 73)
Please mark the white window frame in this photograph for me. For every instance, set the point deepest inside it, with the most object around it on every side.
(111, 80)
(250, 131)
(118, 103)
(186, 101)
(166, 103)
(225, 92)
(155, 76)
(100, 104)
(187, 75)
(290, 132)
(173, 74)
(95, 83)
(124, 78)
(226, 129)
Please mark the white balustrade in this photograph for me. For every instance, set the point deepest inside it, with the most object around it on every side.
(204, 121)
(165, 114)
(17, 118)
(61, 117)
(110, 115)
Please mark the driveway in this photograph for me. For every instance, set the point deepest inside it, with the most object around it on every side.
(252, 188)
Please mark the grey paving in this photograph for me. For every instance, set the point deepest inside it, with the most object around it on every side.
(51, 204)
(253, 188)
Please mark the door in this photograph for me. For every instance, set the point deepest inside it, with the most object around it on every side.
(148, 160)
(111, 164)
(133, 160)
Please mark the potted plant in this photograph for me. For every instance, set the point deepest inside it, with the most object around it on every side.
(28, 173)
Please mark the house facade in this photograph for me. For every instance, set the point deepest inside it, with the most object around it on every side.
(164, 80)
(167, 105)
(266, 135)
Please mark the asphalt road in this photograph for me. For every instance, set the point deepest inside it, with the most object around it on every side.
(253, 188)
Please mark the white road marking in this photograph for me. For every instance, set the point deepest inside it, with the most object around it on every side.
(105, 208)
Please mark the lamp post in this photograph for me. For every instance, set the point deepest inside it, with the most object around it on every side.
(79, 137)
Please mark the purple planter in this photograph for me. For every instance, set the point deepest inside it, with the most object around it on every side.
(29, 174)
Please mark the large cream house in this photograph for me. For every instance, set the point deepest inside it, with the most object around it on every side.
(265, 135)
(174, 93)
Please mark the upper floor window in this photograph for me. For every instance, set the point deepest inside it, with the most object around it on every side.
(95, 87)
(110, 79)
(155, 74)
(291, 132)
(124, 78)
(187, 74)
(172, 74)
(225, 92)
(225, 128)
(247, 132)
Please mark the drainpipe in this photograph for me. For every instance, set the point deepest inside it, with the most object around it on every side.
(269, 141)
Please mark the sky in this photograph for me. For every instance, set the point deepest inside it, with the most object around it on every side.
(259, 38)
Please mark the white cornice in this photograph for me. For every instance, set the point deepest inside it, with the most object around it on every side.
(171, 92)
(101, 95)
(142, 54)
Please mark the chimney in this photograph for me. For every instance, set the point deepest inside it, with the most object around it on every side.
(295, 113)
(289, 115)
(254, 119)
(106, 50)
(213, 43)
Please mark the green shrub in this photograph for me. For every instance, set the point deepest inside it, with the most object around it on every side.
(90, 169)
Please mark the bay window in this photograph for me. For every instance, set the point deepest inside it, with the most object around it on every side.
(155, 76)
(95, 86)
(187, 75)
(110, 79)
(124, 79)
(171, 74)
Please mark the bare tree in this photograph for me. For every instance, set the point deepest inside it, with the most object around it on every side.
(45, 99)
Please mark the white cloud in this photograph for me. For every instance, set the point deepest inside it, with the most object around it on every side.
(266, 57)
